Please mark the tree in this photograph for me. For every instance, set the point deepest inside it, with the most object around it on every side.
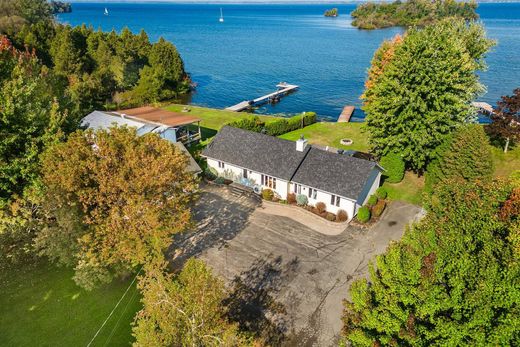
(112, 201)
(506, 119)
(452, 280)
(184, 310)
(466, 155)
(424, 91)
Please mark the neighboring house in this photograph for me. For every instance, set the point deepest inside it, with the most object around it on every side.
(338, 180)
(170, 126)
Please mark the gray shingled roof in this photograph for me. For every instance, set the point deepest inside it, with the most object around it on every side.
(334, 173)
(262, 153)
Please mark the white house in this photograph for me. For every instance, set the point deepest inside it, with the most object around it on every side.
(168, 125)
(340, 181)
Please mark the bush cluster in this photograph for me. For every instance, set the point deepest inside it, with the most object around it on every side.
(363, 214)
(321, 207)
(378, 208)
(291, 198)
(301, 200)
(267, 194)
(393, 163)
(342, 216)
(372, 200)
(381, 193)
(275, 128)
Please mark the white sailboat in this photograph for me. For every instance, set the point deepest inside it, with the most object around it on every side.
(221, 20)
(106, 12)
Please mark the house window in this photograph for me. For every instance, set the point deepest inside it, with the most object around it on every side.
(221, 164)
(297, 189)
(268, 181)
(334, 200)
(244, 173)
(313, 193)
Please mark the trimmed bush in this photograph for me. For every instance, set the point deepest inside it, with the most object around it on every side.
(321, 207)
(372, 200)
(301, 200)
(381, 193)
(210, 173)
(393, 163)
(378, 208)
(342, 216)
(363, 214)
(220, 180)
(267, 194)
(252, 123)
(331, 217)
(291, 198)
(277, 127)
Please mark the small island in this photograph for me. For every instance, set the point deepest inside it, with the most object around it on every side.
(60, 7)
(409, 13)
(331, 13)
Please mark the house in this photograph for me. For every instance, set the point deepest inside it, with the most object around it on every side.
(174, 127)
(341, 181)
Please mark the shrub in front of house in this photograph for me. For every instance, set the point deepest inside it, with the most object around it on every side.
(372, 200)
(378, 208)
(342, 216)
(291, 198)
(331, 217)
(267, 194)
(363, 214)
(209, 174)
(321, 207)
(394, 167)
(220, 180)
(302, 200)
(381, 193)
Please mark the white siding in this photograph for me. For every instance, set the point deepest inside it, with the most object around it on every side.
(374, 187)
(281, 185)
(345, 204)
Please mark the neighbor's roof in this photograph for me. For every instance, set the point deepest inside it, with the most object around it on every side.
(159, 116)
(334, 173)
(262, 153)
(192, 164)
(104, 120)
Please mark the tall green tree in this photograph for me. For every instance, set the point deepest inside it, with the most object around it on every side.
(466, 155)
(184, 310)
(424, 91)
(112, 201)
(453, 279)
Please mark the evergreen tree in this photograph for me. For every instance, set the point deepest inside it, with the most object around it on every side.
(425, 89)
(453, 279)
(466, 155)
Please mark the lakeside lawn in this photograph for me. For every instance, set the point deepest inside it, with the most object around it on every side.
(42, 306)
(506, 163)
(213, 119)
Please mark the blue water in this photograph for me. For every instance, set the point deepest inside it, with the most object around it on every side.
(260, 45)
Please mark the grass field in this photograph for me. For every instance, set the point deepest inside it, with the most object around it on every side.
(329, 134)
(42, 306)
(506, 163)
(213, 119)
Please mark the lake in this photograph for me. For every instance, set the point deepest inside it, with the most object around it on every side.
(259, 46)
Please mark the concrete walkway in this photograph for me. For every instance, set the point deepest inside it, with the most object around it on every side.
(309, 219)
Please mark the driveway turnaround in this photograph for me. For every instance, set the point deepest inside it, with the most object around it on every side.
(286, 280)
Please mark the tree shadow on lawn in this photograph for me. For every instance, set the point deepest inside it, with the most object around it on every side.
(252, 303)
(218, 220)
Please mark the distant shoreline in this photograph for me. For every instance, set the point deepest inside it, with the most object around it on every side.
(260, 2)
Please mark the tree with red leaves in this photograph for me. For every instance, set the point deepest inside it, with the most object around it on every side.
(506, 120)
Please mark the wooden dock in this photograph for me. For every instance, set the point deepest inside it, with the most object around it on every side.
(346, 114)
(483, 107)
(283, 89)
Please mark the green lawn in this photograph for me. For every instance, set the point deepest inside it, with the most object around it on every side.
(506, 163)
(410, 189)
(213, 119)
(329, 134)
(41, 306)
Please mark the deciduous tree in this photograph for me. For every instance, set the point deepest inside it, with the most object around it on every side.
(184, 310)
(113, 200)
(453, 279)
(505, 121)
(425, 89)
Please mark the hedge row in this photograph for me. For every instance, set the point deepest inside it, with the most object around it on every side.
(277, 127)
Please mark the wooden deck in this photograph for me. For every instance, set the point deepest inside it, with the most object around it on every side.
(283, 89)
(346, 114)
